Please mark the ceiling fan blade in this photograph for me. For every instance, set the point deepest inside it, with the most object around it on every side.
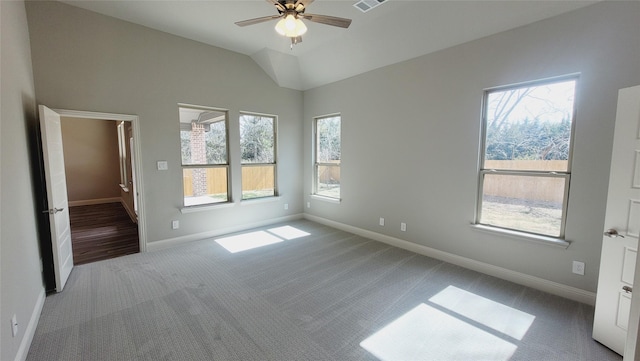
(257, 20)
(328, 20)
(276, 4)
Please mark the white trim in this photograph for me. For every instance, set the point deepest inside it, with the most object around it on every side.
(132, 214)
(268, 199)
(205, 207)
(30, 331)
(173, 242)
(555, 288)
(325, 199)
(523, 236)
(95, 115)
(89, 202)
(135, 122)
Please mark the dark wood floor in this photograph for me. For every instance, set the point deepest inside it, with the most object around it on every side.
(102, 231)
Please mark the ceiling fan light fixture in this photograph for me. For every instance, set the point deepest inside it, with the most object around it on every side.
(291, 27)
(300, 28)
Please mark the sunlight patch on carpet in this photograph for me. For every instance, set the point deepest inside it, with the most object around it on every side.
(247, 241)
(504, 319)
(257, 239)
(288, 232)
(426, 333)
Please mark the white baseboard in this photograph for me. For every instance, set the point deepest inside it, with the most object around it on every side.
(89, 202)
(541, 284)
(173, 242)
(30, 331)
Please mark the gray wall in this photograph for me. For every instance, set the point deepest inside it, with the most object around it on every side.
(86, 61)
(19, 257)
(411, 137)
(91, 159)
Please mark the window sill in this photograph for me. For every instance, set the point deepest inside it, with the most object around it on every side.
(205, 207)
(549, 241)
(246, 202)
(326, 199)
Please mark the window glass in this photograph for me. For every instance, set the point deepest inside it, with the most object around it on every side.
(204, 154)
(526, 203)
(258, 153)
(204, 185)
(328, 154)
(525, 171)
(204, 142)
(530, 123)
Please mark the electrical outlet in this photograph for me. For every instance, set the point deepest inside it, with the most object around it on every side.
(14, 326)
(403, 227)
(175, 224)
(578, 268)
(381, 221)
(286, 206)
(308, 204)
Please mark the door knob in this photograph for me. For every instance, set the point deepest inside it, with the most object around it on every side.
(612, 233)
(627, 289)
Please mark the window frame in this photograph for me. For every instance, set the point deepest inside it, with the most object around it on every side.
(275, 155)
(566, 175)
(226, 166)
(122, 151)
(317, 164)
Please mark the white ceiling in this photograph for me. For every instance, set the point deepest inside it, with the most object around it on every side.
(396, 30)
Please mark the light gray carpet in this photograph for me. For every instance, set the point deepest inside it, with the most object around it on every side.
(322, 296)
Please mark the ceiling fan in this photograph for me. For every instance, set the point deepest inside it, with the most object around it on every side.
(291, 13)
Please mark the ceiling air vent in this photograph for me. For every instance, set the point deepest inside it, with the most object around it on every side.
(366, 5)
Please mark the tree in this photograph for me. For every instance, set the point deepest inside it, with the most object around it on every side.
(216, 141)
(528, 123)
(257, 139)
(185, 146)
(329, 139)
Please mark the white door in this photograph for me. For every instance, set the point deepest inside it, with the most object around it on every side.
(622, 223)
(51, 133)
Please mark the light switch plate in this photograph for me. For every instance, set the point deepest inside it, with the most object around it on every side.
(163, 165)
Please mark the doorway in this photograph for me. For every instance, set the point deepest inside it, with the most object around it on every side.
(128, 179)
(100, 192)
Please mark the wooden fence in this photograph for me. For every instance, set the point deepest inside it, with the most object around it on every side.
(253, 178)
(543, 189)
(329, 174)
(549, 189)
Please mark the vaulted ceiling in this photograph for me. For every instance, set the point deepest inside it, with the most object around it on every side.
(392, 32)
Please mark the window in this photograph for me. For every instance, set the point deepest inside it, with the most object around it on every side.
(258, 153)
(122, 150)
(525, 166)
(205, 161)
(327, 156)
